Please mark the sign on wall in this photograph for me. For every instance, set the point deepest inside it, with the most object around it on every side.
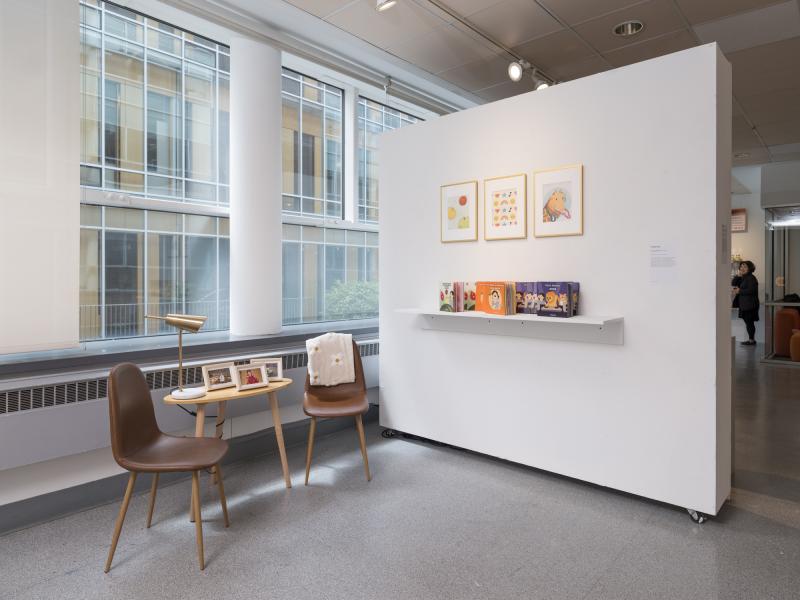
(738, 220)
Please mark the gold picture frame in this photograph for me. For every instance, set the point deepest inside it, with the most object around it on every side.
(490, 211)
(452, 217)
(560, 185)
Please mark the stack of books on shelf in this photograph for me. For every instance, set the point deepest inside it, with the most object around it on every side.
(543, 298)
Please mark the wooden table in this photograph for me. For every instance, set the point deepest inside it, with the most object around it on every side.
(221, 397)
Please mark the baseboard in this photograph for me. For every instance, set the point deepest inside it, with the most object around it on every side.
(55, 505)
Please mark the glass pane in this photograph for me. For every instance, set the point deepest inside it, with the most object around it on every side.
(223, 194)
(333, 155)
(124, 280)
(200, 108)
(313, 283)
(311, 151)
(355, 238)
(290, 145)
(90, 215)
(224, 282)
(313, 234)
(123, 28)
(291, 86)
(292, 303)
(334, 236)
(163, 41)
(124, 218)
(163, 221)
(90, 319)
(124, 180)
(91, 176)
(90, 16)
(200, 54)
(191, 37)
(224, 115)
(225, 63)
(164, 294)
(200, 224)
(164, 118)
(224, 226)
(204, 192)
(201, 278)
(372, 239)
(312, 93)
(90, 96)
(291, 203)
(164, 186)
(291, 232)
(124, 105)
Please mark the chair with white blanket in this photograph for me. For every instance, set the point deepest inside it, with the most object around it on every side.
(347, 399)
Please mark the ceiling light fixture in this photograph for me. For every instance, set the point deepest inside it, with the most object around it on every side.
(628, 28)
(382, 5)
(539, 83)
(742, 155)
(516, 69)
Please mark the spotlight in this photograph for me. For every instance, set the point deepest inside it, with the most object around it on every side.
(628, 28)
(516, 69)
(382, 5)
(538, 82)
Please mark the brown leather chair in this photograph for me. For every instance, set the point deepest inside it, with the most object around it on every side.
(343, 400)
(139, 446)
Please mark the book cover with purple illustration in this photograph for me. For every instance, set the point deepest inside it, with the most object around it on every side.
(554, 299)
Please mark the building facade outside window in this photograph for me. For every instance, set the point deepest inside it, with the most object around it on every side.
(154, 125)
(373, 118)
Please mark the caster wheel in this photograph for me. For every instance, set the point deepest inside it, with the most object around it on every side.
(697, 516)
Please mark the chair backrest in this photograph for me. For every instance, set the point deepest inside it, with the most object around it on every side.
(343, 390)
(133, 419)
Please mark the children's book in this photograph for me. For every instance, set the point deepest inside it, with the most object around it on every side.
(575, 291)
(446, 297)
(519, 298)
(469, 295)
(555, 299)
(491, 297)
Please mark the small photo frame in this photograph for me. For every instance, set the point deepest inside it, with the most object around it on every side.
(458, 212)
(558, 201)
(251, 376)
(274, 366)
(505, 204)
(219, 376)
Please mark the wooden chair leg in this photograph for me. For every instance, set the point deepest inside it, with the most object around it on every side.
(198, 521)
(153, 489)
(311, 432)
(120, 519)
(363, 442)
(222, 499)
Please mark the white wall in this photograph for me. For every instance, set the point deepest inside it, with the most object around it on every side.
(650, 417)
(39, 174)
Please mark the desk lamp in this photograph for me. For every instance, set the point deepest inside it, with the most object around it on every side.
(192, 324)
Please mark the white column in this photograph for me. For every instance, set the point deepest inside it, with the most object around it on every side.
(256, 263)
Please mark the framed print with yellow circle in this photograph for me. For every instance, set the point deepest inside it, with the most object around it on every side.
(505, 208)
(459, 212)
(558, 201)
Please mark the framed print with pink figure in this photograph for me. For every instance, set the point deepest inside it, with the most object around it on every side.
(558, 201)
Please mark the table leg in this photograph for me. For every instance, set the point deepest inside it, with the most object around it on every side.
(220, 423)
(276, 419)
(198, 432)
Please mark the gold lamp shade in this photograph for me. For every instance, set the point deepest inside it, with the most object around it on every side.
(190, 324)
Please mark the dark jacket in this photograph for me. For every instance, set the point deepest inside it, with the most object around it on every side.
(735, 282)
(748, 293)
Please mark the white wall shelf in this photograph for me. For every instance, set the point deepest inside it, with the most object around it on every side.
(581, 328)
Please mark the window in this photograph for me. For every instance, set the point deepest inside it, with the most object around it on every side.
(312, 142)
(155, 108)
(373, 118)
(329, 274)
(154, 124)
(137, 262)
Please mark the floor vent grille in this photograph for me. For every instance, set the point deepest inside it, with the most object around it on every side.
(19, 400)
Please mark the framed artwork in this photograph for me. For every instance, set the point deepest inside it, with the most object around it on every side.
(274, 366)
(459, 212)
(251, 376)
(505, 204)
(738, 220)
(558, 201)
(218, 376)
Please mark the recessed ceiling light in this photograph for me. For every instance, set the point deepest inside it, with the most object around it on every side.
(382, 5)
(628, 28)
(742, 155)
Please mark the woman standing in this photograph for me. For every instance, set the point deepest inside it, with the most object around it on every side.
(747, 294)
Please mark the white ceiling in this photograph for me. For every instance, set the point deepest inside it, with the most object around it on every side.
(572, 38)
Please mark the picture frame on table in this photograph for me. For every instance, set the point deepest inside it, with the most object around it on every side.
(458, 212)
(219, 376)
(505, 207)
(558, 201)
(251, 376)
(274, 366)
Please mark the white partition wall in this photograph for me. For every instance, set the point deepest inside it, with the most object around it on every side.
(649, 416)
